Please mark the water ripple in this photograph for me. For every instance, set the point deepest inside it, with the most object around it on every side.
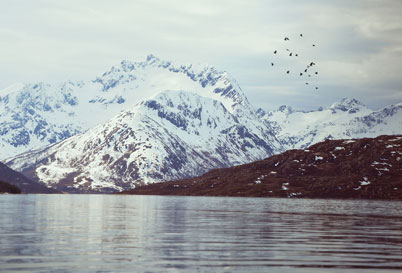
(104, 233)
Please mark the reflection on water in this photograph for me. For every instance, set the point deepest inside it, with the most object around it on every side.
(105, 233)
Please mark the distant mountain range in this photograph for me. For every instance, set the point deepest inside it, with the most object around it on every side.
(143, 122)
(346, 119)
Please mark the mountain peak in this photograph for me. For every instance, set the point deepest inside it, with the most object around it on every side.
(349, 105)
(152, 57)
(285, 109)
(127, 65)
(11, 89)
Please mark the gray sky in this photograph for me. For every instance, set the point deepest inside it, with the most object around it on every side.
(358, 52)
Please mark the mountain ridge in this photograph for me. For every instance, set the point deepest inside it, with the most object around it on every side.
(171, 135)
(38, 114)
(347, 118)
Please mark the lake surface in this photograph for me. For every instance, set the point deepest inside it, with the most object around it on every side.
(108, 233)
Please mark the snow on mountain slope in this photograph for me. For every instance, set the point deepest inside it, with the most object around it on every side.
(34, 115)
(346, 119)
(172, 135)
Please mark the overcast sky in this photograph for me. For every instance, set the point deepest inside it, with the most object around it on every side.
(358, 44)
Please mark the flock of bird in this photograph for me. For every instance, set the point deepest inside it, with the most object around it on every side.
(309, 67)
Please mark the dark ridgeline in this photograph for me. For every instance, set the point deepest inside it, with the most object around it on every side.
(21, 182)
(368, 168)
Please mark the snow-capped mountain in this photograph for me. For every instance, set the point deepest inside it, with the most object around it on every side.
(174, 134)
(346, 119)
(143, 122)
(34, 115)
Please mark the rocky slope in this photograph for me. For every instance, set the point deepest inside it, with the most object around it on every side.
(20, 182)
(174, 134)
(362, 168)
(346, 119)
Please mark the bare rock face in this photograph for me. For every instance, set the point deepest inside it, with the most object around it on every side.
(369, 168)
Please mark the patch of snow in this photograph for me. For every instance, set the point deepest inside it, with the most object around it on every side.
(284, 186)
(339, 148)
(365, 182)
(292, 194)
(318, 158)
(258, 180)
(348, 141)
(380, 163)
(382, 169)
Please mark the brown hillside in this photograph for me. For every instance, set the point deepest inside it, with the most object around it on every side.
(368, 168)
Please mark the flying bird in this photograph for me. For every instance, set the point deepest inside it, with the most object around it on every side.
(304, 72)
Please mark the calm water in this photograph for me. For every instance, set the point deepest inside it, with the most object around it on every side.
(105, 233)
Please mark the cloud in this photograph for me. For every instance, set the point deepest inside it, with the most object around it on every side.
(358, 43)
